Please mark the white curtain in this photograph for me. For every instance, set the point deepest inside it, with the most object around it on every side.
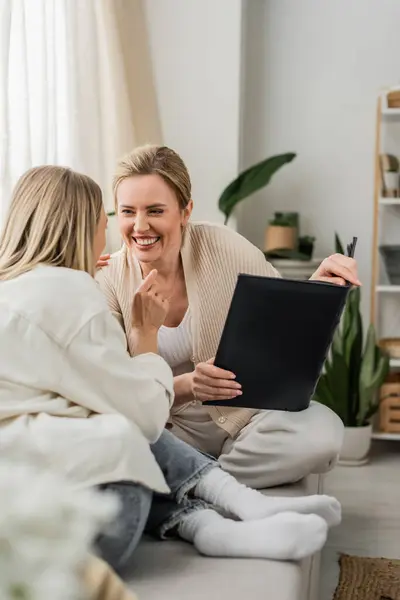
(65, 89)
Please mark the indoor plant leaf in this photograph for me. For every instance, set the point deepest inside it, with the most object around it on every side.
(337, 343)
(338, 245)
(251, 180)
(337, 377)
(347, 318)
(369, 360)
(351, 324)
(323, 393)
(355, 360)
(364, 420)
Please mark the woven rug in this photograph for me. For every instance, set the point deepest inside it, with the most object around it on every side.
(368, 579)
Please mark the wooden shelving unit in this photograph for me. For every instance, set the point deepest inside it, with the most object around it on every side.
(385, 297)
(393, 437)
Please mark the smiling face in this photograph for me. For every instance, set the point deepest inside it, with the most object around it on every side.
(150, 218)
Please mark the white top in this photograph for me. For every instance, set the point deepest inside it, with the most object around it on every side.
(175, 345)
(68, 384)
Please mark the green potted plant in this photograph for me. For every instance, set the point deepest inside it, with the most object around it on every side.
(250, 181)
(303, 252)
(306, 246)
(352, 376)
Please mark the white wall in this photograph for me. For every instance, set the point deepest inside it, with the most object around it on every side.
(313, 72)
(196, 53)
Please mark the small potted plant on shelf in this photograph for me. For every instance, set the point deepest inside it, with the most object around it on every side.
(282, 232)
(306, 246)
(390, 175)
(351, 380)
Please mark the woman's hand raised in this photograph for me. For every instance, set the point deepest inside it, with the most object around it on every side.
(149, 308)
(337, 269)
(103, 261)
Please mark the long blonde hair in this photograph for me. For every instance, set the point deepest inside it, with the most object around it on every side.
(160, 160)
(52, 220)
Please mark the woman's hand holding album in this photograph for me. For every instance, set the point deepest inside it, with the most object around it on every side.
(338, 269)
(209, 382)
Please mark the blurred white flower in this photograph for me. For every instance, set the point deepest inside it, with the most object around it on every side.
(46, 530)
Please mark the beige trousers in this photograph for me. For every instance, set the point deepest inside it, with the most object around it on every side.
(275, 448)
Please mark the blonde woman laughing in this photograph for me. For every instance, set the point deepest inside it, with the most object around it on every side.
(197, 265)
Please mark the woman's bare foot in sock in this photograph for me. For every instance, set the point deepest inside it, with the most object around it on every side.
(285, 536)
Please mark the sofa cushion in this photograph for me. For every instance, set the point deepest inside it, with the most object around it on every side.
(174, 570)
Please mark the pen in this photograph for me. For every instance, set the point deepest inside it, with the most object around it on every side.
(351, 248)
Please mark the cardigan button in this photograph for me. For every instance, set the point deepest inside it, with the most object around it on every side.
(221, 419)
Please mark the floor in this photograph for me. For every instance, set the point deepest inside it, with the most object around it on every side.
(370, 497)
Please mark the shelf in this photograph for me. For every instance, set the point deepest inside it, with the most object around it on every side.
(393, 437)
(389, 201)
(391, 112)
(388, 289)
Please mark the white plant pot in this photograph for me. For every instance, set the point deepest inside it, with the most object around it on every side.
(356, 445)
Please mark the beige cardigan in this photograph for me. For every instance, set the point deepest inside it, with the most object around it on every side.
(212, 256)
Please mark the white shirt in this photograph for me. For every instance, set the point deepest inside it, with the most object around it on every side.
(68, 383)
(190, 422)
(175, 345)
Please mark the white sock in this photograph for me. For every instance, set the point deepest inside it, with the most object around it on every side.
(286, 536)
(223, 491)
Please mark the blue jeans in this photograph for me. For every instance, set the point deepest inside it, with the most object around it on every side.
(144, 511)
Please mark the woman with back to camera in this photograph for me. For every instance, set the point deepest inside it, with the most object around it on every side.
(197, 266)
(96, 415)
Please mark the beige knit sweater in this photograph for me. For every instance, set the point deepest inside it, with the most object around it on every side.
(212, 257)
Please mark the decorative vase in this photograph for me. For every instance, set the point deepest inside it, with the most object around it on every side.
(356, 446)
(278, 237)
(391, 181)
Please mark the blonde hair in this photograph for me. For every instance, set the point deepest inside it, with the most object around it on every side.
(52, 220)
(160, 160)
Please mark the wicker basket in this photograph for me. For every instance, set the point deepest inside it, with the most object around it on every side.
(389, 409)
(391, 346)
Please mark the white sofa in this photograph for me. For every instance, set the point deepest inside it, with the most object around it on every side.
(175, 571)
